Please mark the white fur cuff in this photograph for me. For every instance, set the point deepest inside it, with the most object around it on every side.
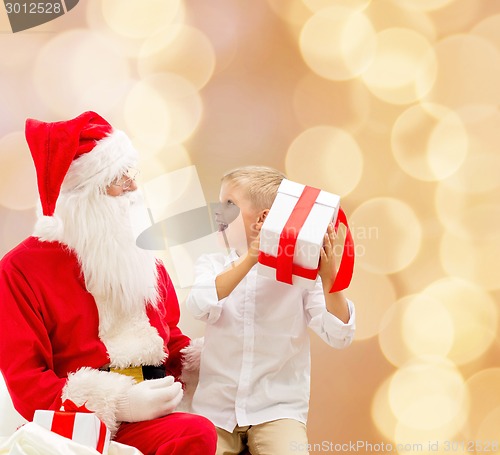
(191, 356)
(99, 391)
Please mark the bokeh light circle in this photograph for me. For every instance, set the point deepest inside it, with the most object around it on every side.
(424, 5)
(316, 5)
(404, 68)
(432, 441)
(429, 142)
(351, 43)
(373, 294)
(163, 110)
(395, 234)
(428, 393)
(424, 334)
(474, 259)
(382, 415)
(134, 19)
(345, 104)
(487, 435)
(147, 115)
(334, 160)
(294, 13)
(473, 217)
(407, 331)
(479, 171)
(484, 400)
(478, 85)
(18, 188)
(175, 157)
(474, 315)
(409, 439)
(27, 46)
(489, 29)
(387, 15)
(390, 335)
(93, 73)
(178, 49)
(168, 159)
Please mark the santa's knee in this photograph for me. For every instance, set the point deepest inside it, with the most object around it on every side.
(204, 431)
(199, 436)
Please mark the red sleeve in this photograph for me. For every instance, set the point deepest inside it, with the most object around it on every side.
(26, 360)
(177, 340)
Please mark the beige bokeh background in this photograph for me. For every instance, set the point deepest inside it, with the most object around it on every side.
(393, 104)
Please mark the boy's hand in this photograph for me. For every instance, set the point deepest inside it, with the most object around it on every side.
(327, 264)
(253, 249)
(336, 303)
(226, 281)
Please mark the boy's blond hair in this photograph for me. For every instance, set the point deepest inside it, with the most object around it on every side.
(260, 183)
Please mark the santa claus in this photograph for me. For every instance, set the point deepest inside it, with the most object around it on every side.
(86, 315)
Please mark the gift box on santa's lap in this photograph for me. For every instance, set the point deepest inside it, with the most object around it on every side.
(292, 236)
(76, 423)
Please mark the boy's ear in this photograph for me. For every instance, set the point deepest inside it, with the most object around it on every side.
(263, 215)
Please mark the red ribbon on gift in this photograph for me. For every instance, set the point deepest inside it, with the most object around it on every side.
(297, 270)
(290, 232)
(346, 267)
(283, 262)
(69, 406)
(64, 422)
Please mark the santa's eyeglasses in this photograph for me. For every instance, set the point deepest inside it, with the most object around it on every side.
(126, 180)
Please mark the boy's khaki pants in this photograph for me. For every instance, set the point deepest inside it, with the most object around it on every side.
(278, 437)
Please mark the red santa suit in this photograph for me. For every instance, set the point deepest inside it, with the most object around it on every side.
(58, 340)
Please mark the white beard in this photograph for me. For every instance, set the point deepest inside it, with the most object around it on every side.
(121, 277)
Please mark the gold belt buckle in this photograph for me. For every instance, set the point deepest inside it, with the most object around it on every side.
(135, 372)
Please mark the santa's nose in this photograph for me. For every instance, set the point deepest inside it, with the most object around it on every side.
(132, 187)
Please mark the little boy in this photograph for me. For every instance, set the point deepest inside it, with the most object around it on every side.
(255, 364)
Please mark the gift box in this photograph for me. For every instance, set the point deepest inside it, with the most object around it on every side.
(293, 232)
(77, 424)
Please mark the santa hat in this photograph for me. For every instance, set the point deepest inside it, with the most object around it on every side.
(84, 152)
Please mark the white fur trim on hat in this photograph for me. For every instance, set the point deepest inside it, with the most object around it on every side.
(111, 156)
(48, 228)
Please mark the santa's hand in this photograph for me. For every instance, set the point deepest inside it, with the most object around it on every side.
(149, 400)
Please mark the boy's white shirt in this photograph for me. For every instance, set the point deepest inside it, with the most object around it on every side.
(255, 363)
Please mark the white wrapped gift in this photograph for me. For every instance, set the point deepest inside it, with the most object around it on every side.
(293, 233)
(81, 427)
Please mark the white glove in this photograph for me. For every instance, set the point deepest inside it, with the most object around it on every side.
(149, 400)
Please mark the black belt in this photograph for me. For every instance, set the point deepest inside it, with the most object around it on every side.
(143, 372)
(151, 372)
